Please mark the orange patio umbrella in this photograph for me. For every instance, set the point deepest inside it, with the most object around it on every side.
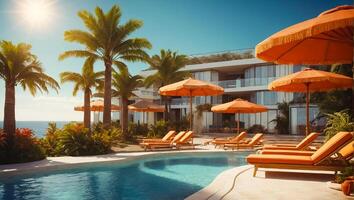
(325, 39)
(146, 106)
(97, 106)
(239, 106)
(191, 87)
(310, 80)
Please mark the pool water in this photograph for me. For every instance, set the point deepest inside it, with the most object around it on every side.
(166, 177)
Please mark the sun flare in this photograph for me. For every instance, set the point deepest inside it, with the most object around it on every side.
(36, 13)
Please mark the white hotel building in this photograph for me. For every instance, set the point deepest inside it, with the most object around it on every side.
(243, 78)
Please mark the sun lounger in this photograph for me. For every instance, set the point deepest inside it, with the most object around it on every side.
(325, 158)
(301, 146)
(147, 145)
(186, 140)
(179, 140)
(167, 138)
(234, 140)
(345, 151)
(251, 144)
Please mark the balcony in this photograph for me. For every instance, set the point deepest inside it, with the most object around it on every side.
(248, 82)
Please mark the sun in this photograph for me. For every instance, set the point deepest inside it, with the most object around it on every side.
(36, 13)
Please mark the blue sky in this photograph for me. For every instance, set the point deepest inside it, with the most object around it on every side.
(186, 26)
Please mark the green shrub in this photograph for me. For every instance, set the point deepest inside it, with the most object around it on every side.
(257, 128)
(158, 130)
(76, 140)
(26, 148)
(180, 125)
(348, 171)
(138, 129)
(336, 122)
(50, 140)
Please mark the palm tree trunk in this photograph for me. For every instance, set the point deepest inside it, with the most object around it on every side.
(87, 112)
(124, 115)
(9, 113)
(107, 94)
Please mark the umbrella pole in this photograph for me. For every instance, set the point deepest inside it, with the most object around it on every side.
(191, 116)
(307, 108)
(238, 123)
(191, 113)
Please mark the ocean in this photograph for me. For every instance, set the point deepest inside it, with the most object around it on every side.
(39, 127)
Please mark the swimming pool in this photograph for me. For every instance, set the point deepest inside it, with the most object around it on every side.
(165, 177)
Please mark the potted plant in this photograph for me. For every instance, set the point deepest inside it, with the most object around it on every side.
(346, 174)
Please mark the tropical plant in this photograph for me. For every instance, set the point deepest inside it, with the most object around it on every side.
(50, 139)
(124, 85)
(158, 130)
(107, 40)
(257, 128)
(283, 118)
(138, 129)
(337, 100)
(85, 81)
(26, 148)
(336, 122)
(18, 66)
(73, 139)
(168, 67)
(344, 174)
(180, 124)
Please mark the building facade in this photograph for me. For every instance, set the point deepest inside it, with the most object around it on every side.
(241, 78)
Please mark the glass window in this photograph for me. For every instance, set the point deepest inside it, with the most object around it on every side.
(258, 76)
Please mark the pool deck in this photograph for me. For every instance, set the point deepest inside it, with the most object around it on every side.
(235, 183)
(238, 183)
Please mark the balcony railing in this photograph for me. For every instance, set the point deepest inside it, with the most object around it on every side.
(248, 82)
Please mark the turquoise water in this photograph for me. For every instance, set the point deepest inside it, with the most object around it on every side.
(173, 177)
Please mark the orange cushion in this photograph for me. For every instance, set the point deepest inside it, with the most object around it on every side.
(288, 152)
(331, 146)
(186, 137)
(239, 137)
(178, 136)
(348, 150)
(256, 138)
(278, 159)
(279, 148)
(169, 135)
(307, 141)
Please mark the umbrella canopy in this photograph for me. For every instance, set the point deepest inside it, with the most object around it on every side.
(239, 106)
(325, 39)
(310, 80)
(191, 87)
(146, 106)
(97, 106)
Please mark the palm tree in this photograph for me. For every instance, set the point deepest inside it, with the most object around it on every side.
(85, 82)
(283, 118)
(18, 66)
(124, 85)
(109, 41)
(168, 67)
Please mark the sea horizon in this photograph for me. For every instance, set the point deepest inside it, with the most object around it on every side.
(38, 127)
